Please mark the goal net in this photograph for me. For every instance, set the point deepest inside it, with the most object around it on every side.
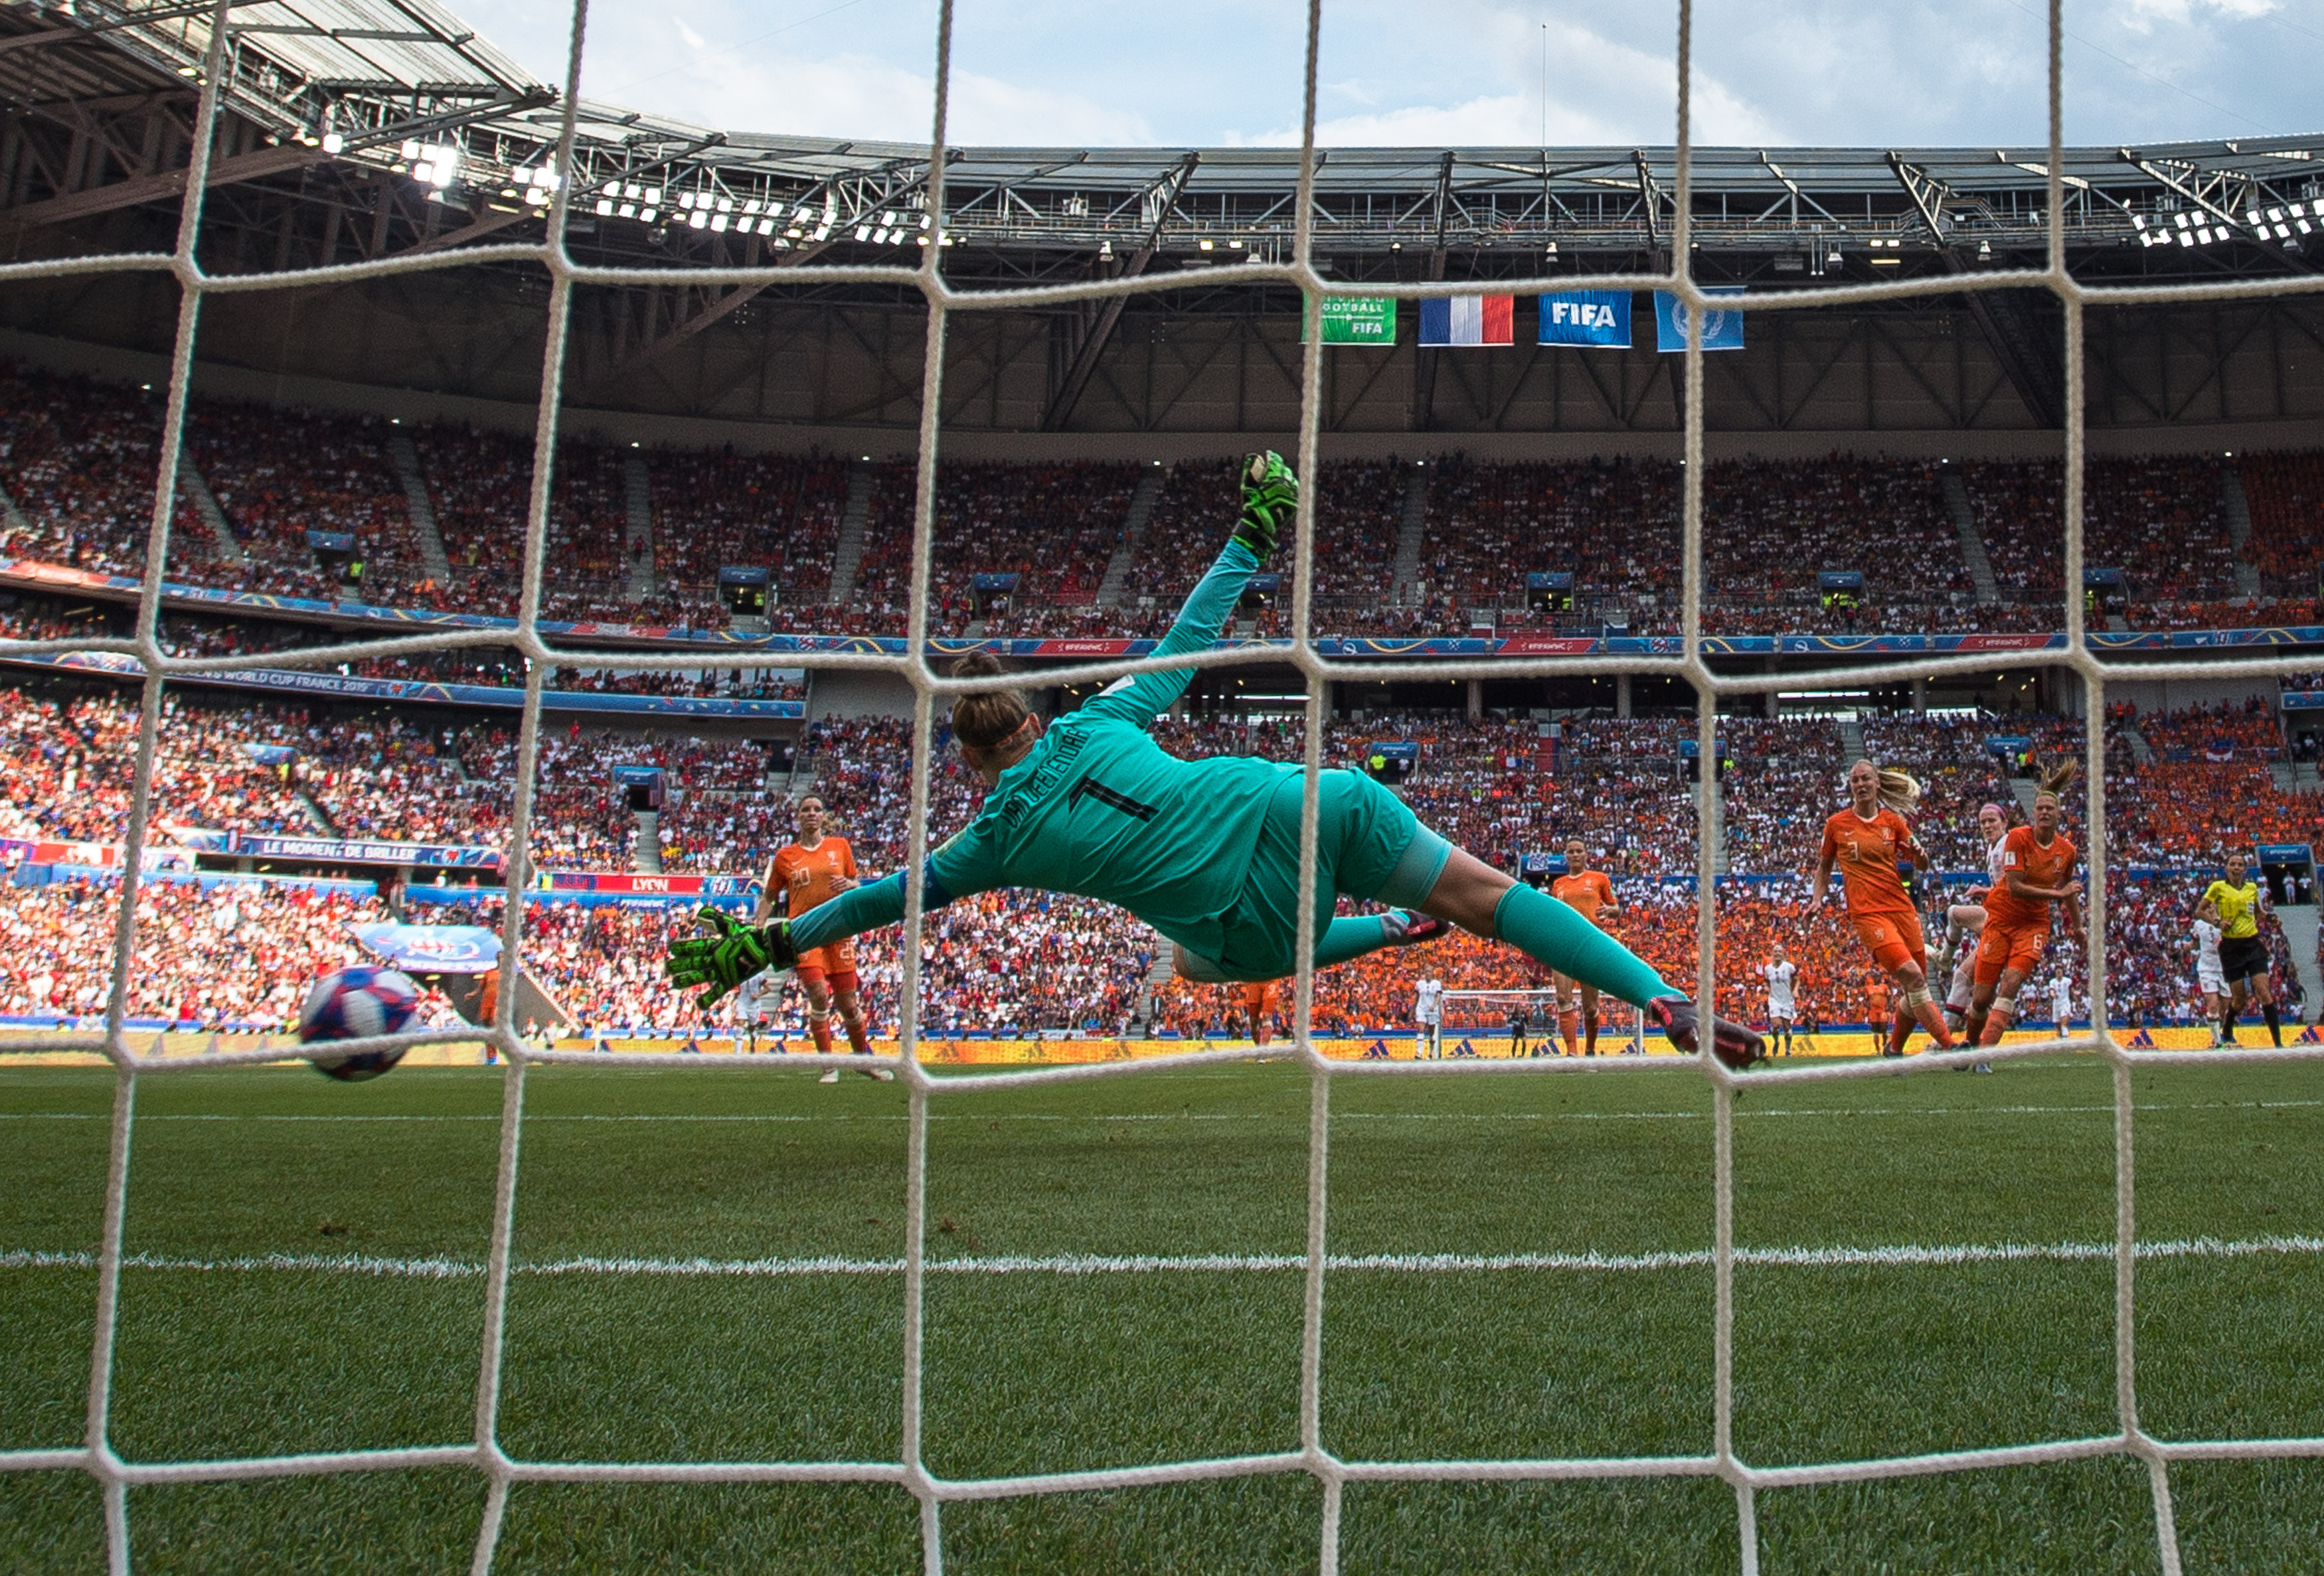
(1314, 1452)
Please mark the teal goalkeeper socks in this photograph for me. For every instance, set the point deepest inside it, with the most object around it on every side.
(1549, 932)
(1351, 937)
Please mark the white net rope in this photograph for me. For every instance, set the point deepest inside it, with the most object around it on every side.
(1313, 1455)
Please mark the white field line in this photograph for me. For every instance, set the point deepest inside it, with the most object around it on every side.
(1904, 1256)
(1741, 1114)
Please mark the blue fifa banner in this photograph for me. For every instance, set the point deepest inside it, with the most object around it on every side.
(432, 949)
(994, 583)
(2303, 700)
(637, 776)
(2286, 853)
(1839, 580)
(270, 754)
(736, 574)
(1405, 750)
(2101, 579)
(1544, 864)
(331, 542)
(1549, 580)
(1722, 326)
(1596, 319)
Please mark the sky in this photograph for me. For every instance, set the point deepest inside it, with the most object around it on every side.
(1223, 73)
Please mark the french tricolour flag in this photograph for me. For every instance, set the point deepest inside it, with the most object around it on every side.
(1467, 319)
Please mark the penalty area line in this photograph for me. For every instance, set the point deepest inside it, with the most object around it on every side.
(1908, 1255)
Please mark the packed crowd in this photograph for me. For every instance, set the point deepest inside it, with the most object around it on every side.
(77, 458)
(277, 474)
(242, 952)
(1053, 526)
(714, 509)
(2284, 494)
(2159, 520)
(1020, 961)
(77, 462)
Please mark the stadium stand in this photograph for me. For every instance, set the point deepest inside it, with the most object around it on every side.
(77, 459)
(2285, 492)
(278, 474)
(718, 509)
(1015, 960)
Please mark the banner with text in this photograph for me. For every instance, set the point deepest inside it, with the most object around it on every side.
(1595, 319)
(434, 855)
(1359, 321)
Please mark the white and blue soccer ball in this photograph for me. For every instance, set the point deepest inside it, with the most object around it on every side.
(354, 1004)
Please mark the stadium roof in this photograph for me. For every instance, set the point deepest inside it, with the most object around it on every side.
(359, 83)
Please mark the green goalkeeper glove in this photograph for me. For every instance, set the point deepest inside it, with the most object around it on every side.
(730, 954)
(1270, 497)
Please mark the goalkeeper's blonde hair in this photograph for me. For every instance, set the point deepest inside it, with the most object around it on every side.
(1899, 790)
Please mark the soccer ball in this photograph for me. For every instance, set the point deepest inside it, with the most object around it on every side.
(356, 1003)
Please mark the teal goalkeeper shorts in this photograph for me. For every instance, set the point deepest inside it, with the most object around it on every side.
(1367, 844)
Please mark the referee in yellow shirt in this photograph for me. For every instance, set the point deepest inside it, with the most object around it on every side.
(2243, 956)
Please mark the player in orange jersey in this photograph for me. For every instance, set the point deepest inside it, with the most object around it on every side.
(2037, 869)
(1876, 1008)
(1590, 894)
(1256, 1000)
(1866, 840)
(814, 869)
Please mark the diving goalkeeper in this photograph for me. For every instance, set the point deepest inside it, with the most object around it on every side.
(1206, 851)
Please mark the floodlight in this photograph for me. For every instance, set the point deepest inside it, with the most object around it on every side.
(334, 143)
(410, 151)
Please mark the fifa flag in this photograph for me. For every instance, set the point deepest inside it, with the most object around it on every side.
(1468, 320)
(1721, 329)
(1597, 318)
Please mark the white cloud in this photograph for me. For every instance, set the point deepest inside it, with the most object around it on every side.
(851, 95)
(2143, 14)
(1779, 73)
(1601, 91)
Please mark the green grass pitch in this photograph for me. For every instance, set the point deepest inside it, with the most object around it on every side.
(1873, 1348)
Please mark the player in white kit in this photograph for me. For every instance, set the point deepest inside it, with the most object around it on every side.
(758, 1004)
(1428, 1010)
(1964, 924)
(2061, 1001)
(2210, 979)
(1782, 1011)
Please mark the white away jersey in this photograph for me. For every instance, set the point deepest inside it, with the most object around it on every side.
(1430, 1008)
(1779, 985)
(2207, 950)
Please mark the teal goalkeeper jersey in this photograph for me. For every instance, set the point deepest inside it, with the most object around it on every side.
(1100, 809)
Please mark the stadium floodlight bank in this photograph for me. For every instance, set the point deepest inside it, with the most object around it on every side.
(432, 106)
(566, 141)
